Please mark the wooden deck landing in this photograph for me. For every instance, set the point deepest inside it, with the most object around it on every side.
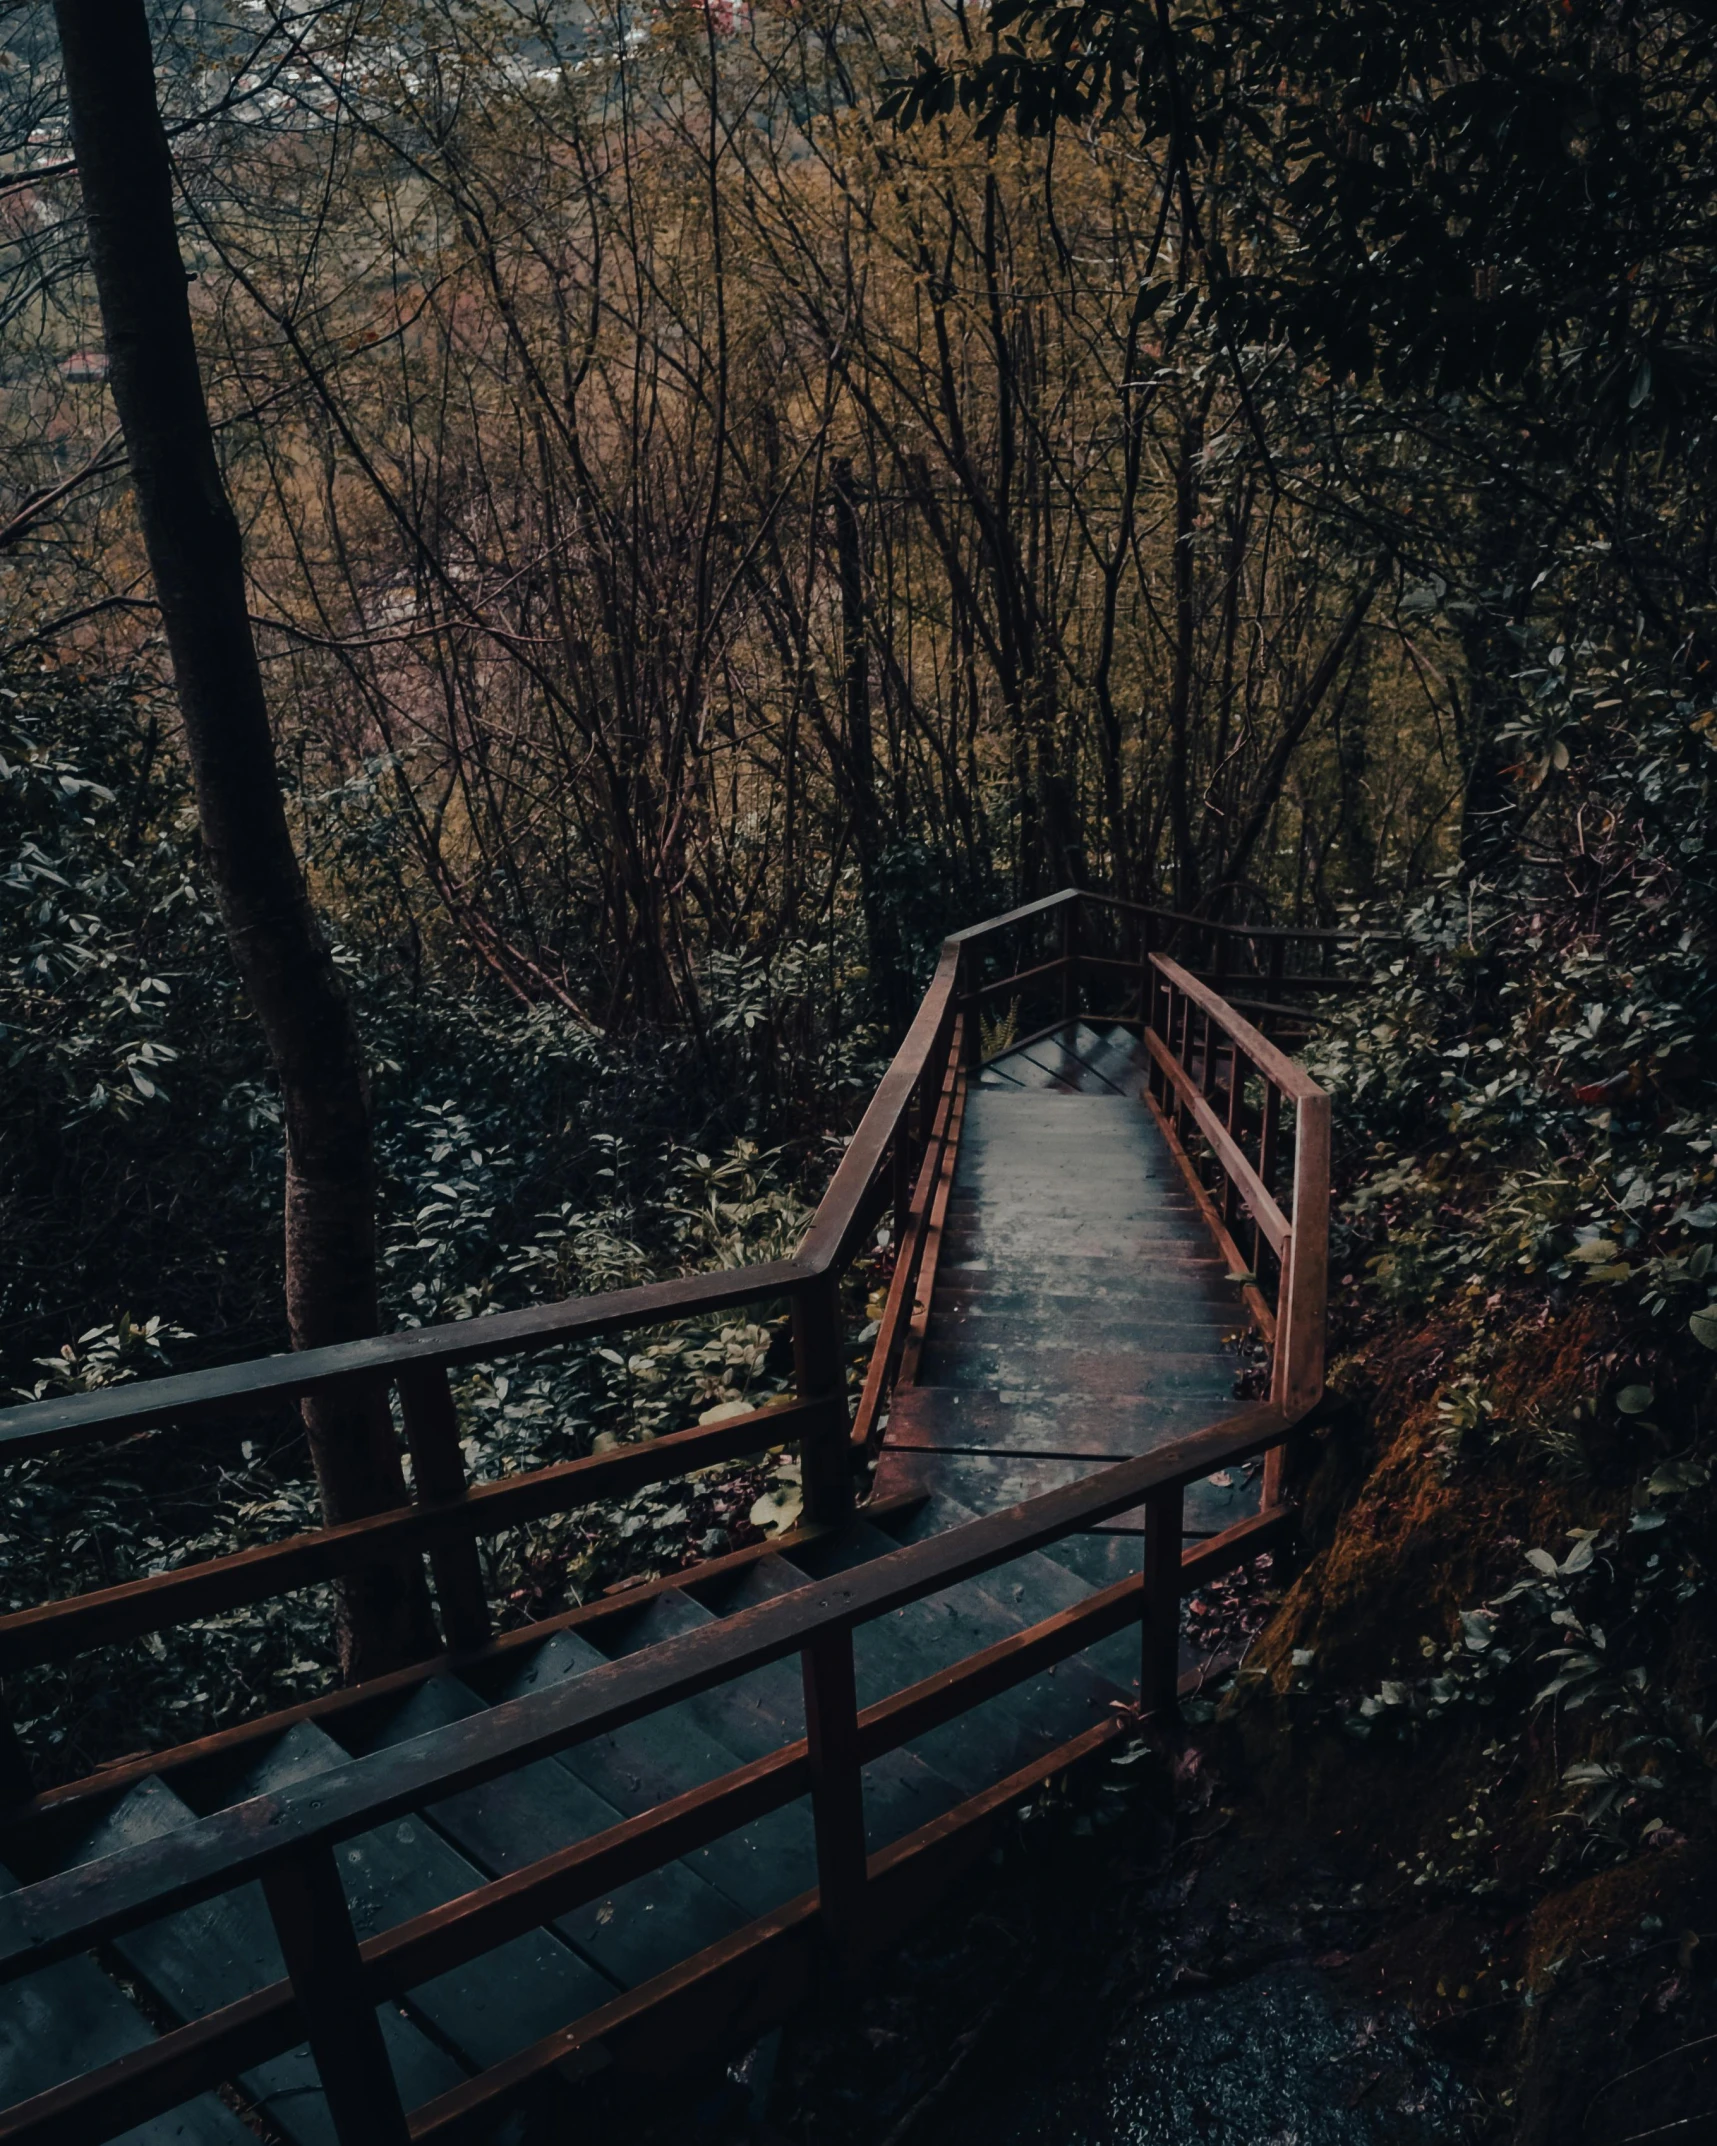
(1080, 1313)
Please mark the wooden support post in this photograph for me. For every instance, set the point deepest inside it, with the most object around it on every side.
(1147, 975)
(903, 1154)
(438, 1473)
(837, 1790)
(972, 1035)
(1212, 1060)
(820, 1371)
(1299, 1370)
(1237, 1068)
(1159, 1665)
(320, 1948)
(1070, 974)
(1270, 1138)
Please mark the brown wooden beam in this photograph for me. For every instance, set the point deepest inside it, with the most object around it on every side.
(66, 1913)
(139, 1606)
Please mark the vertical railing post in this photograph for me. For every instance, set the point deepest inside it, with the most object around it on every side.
(1237, 1067)
(320, 1948)
(438, 1474)
(908, 1145)
(1269, 1137)
(1273, 990)
(1304, 1301)
(837, 1789)
(820, 1373)
(1205, 1159)
(1070, 971)
(966, 998)
(1159, 1662)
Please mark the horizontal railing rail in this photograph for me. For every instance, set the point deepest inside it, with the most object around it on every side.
(203, 1590)
(839, 1222)
(286, 1839)
(95, 1901)
(899, 1160)
(1220, 1088)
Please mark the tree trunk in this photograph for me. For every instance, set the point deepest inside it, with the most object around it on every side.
(194, 550)
(859, 751)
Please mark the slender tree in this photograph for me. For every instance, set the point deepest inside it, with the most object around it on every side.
(283, 959)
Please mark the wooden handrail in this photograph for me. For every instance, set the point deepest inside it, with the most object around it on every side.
(903, 1292)
(1275, 1065)
(1268, 1216)
(37, 1426)
(448, 1517)
(1022, 977)
(158, 2076)
(201, 1590)
(831, 1240)
(829, 1244)
(1299, 1240)
(905, 1140)
(91, 1902)
(1309, 934)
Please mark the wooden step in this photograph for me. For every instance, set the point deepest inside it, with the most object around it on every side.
(66, 2020)
(757, 1714)
(984, 1482)
(1039, 1374)
(663, 1756)
(1007, 1732)
(1103, 1291)
(636, 1932)
(1083, 1424)
(1037, 1586)
(1173, 1325)
(204, 1957)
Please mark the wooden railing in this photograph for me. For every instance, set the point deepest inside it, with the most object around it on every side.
(1084, 952)
(287, 1839)
(1249, 1128)
(899, 1165)
(895, 1164)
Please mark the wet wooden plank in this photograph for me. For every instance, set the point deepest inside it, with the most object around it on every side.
(204, 1957)
(983, 1482)
(637, 1930)
(70, 2018)
(759, 1713)
(926, 1637)
(668, 1754)
(67, 1912)
(486, 2010)
(1080, 1424)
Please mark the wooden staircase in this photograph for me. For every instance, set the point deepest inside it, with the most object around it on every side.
(429, 1906)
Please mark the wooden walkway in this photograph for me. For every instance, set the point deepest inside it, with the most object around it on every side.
(402, 1912)
(1080, 1313)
